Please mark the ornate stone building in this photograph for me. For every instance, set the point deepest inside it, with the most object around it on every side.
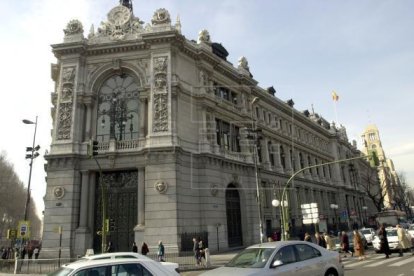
(387, 174)
(174, 123)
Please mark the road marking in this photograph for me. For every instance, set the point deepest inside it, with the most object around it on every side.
(359, 263)
(381, 262)
(403, 262)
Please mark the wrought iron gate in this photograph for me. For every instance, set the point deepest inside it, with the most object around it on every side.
(121, 209)
(234, 231)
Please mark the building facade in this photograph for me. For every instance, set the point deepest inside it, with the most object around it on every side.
(387, 174)
(187, 143)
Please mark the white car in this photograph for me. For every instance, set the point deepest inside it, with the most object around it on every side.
(115, 267)
(392, 238)
(368, 233)
(123, 255)
(283, 258)
(411, 230)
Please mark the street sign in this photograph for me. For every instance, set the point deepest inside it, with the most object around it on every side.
(23, 229)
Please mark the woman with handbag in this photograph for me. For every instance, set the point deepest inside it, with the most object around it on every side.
(358, 246)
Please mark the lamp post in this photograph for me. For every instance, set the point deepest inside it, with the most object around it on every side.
(34, 153)
(365, 208)
(276, 203)
(334, 207)
(255, 155)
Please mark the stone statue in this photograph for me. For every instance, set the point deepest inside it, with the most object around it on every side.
(203, 36)
(243, 64)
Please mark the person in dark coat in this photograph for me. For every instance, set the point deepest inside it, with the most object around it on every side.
(384, 247)
(134, 247)
(144, 249)
(320, 240)
(307, 237)
(109, 247)
(345, 244)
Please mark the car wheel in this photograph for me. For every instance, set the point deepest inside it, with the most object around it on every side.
(331, 272)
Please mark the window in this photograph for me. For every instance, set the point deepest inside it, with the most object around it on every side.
(118, 107)
(271, 156)
(302, 164)
(286, 255)
(282, 157)
(228, 136)
(306, 252)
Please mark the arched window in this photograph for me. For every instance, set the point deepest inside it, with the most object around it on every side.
(118, 109)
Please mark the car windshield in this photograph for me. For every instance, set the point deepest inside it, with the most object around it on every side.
(63, 271)
(392, 233)
(365, 231)
(251, 258)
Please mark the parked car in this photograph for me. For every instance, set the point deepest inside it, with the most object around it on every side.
(368, 233)
(392, 237)
(411, 230)
(283, 258)
(119, 267)
(124, 255)
(351, 241)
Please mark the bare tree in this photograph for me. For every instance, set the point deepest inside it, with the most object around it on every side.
(371, 186)
(12, 200)
(403, 193)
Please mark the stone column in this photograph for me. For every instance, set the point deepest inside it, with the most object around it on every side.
(84, 197)
(88, 122)
(142, 117)
(265, 153)
(141, 196)
(278, 162)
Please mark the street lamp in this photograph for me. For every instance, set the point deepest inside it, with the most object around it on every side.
(255, 155)
(276, 203)
(34, 153)
(335, 207)
(365, 208)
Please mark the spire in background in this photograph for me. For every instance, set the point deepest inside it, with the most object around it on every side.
(126, 3)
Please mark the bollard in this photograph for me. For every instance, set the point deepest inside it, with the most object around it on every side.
(207, 256)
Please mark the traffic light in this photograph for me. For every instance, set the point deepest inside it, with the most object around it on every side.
(373, 158)
(93, 148)
(33, 152)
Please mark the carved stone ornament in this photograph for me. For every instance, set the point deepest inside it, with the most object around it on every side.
(67, 92)
(160, 64)
(161, 16)
(203, 36)
(160, 112)
(59, 192)
(73, 27)
(68, 74)
(214, 189)
(64, 121)
(161, 186)
(121, 23)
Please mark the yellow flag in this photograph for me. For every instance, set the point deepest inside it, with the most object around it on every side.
(335, 96)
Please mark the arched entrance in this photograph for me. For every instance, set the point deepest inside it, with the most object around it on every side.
(234, 230)
(121, 209)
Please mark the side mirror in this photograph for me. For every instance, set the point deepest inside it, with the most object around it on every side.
(277, 263)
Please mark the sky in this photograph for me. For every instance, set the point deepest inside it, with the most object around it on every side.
(364, 50)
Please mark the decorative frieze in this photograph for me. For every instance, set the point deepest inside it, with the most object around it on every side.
(65, 110)
(160, 94)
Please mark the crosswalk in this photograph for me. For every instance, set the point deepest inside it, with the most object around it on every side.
(378, 260)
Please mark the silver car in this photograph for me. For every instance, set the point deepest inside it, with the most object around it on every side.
(297, 258)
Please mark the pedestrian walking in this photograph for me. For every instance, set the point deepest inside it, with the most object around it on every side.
(384, 247)
(196, 251)
(134, 247)
(161, 252)
(201, 253)
(345, 244)
(319, 239)
(307, 237)
(403, 241)
(358, 246)
(36, 252)
(329, 242)
(144, 249)
(109, 247)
